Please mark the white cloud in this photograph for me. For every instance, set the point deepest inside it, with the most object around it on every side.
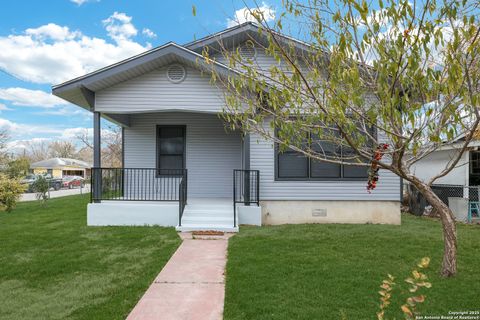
(68, 111)
(244, 15)
(22, 134)
(19, 130)
(52, 31)
(52, 54)
(149, 33)
(72, 133)
(80, 2)
(3, 107)
(119, 27)
(30, 98)
(18, 146)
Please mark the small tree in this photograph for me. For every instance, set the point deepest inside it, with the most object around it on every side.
(387, 84)
(41, 186)
(18, 168)
(10, 191)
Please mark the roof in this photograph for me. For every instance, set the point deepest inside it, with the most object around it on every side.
(60, 162)
(241, 33)
(81, 90)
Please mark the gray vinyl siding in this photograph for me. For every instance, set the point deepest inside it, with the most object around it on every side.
(211, 152)
(153, 92)
(262, 157)
(261, 61)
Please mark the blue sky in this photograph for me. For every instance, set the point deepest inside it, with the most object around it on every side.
(47, 42)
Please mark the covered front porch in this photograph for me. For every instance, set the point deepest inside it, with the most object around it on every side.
(182, 169)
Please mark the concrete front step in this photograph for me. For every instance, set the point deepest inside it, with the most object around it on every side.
(212, 220)
(205, 217)
(214, 207)
(207, 213)
(206, 227)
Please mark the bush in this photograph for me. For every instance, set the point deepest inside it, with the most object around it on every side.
(41, 186)
(10, 191)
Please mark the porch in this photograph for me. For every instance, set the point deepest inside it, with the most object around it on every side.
(141, 196)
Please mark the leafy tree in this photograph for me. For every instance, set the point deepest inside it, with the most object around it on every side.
(41, 186)
(388, 84)
(18, 168)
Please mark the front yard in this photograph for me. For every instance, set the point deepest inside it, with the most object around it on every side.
(334, 271)
(52, 266)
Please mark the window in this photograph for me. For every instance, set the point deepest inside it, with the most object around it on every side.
(170, 147)
(475, 163)
(293, 165)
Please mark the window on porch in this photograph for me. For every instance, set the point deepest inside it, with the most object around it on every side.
(170, 147)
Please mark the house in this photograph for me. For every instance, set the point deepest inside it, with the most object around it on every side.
(465, 173)
(61, 167)
(460, 188)
(183, 168)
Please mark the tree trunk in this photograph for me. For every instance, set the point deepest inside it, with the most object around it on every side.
(449, 263)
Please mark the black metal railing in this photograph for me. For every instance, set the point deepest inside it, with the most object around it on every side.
(246, 189)
(137, 184)
(182, 199)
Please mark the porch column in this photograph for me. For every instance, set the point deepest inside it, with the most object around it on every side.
(97, 161)
(246, 166)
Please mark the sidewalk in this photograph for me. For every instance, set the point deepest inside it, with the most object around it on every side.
(190, 286)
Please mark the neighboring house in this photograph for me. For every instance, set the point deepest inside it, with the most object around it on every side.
(465, 173)
(61, 167)
(179, 159)
(460, 188)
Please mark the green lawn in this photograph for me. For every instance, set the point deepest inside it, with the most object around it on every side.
(52, 266)
(333, 271)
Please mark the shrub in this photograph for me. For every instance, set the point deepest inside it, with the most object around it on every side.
(41, 186)
(10, 191)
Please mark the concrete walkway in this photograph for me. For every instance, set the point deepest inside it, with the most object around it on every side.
(190, 286)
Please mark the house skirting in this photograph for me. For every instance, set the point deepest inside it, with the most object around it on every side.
(294, 212)
(145, 213)
(134, 213)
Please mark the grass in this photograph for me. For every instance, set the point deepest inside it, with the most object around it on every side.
(334, 271)
(52, 266)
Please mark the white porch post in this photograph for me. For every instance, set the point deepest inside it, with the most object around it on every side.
(97, 161)
(246, 166)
